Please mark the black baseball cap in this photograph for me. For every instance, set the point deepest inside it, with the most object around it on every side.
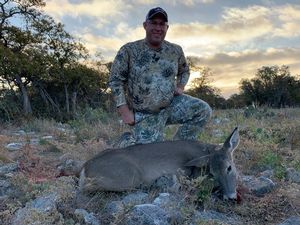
(155, 11)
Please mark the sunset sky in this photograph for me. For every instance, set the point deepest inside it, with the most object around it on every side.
(232, 37)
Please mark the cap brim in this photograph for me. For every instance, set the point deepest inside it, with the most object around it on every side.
(156, 13)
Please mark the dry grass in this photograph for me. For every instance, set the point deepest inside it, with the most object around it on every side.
(270, 139)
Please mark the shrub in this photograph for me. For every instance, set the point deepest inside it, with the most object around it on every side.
(273, 161)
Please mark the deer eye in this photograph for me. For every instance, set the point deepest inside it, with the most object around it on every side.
(228, 169)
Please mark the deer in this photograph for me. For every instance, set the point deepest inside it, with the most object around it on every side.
(127, 168)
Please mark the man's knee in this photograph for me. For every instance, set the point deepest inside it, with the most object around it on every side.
(203, 111)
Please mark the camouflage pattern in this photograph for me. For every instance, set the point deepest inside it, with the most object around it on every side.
(191, 112)
(145, 80)
(151, 76)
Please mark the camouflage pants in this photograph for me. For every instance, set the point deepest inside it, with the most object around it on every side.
(192, 113)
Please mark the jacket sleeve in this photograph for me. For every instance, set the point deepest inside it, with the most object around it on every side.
(119, 76)
(183, 69)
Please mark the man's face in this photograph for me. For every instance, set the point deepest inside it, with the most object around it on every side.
(156, 30)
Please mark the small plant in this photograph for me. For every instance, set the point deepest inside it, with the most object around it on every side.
(270, 159)
(53, 148)
(198, 191)
(204, 190)
(43, 141)
(273, 161)
(280, 172)
(296, 165)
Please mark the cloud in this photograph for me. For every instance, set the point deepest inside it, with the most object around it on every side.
(108, 46)
(101, 10)
(189, 2)
(142, 2)
(105, 10)
(288, 12)
(230, 68)
(237, 26)
(172, 2)
(289, 16)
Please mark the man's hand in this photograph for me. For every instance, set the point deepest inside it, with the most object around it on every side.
(179, 90)
(126, 115)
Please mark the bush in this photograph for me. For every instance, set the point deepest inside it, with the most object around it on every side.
(10, 107)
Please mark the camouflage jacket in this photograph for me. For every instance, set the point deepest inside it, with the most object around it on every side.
(145, 78)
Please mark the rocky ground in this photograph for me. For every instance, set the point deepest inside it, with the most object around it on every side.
(38, 183)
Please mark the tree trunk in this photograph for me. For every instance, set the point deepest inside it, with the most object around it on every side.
(26, 101)
(47, 99)
(67, 99)
(74, 102)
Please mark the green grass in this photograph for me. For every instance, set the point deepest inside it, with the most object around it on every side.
(270, 159)
(296, 165)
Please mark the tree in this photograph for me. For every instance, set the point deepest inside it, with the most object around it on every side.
(64, 50)
(236, 101)
(201, 86)
(273, 86)
(43, 66)
(13, 43)
(36, 51)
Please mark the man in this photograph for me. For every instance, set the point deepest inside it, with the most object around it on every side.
(147, 80)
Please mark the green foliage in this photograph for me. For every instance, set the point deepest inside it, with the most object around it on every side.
(43, 64)
(274, 161)
(270, 159)
(261, 134)
(280, 172)
(199, 189)
(43, 141)
(264, 135)
(296, 165)
(204, 190)
(236, 101)
(273, 86)
(10, 108)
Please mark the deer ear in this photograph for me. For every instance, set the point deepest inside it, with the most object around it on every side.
(198, 162)
(232, 141)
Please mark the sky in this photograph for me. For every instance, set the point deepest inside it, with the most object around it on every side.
(233, 38)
